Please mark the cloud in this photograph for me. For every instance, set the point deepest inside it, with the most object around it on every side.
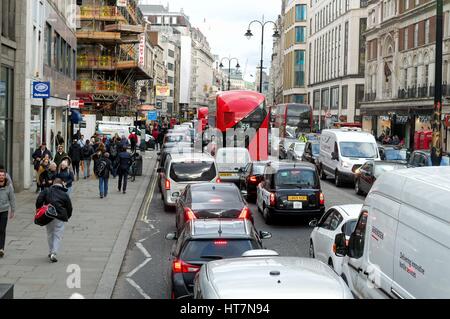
(225, 22)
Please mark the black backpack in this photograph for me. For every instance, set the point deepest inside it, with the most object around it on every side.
(100, 169)
(114, 152)
(86, 151)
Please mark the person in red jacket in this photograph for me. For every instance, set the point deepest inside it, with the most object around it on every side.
(155, 135)
(133, 141)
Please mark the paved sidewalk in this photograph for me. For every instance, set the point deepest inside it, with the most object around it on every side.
(95, 239)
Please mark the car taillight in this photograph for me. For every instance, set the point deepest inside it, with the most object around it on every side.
(167, 184)
(189, 214)
(322, 199)
(218, 181)
(273, 199)
(220, 243)
(180, 267)
(245, 213)
(253, 179)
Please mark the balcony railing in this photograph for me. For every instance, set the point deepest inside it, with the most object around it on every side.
(422, 92)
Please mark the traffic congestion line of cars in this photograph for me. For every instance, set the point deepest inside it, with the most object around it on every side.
(218, 246)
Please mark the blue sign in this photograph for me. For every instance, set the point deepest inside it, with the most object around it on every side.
(152, 116)
(41, 90)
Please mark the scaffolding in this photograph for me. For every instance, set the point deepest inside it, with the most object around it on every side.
(108, 56)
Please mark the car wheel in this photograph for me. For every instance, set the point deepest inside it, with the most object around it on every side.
(337, 179)
(357, 187)
(311, 249)
(323, 176)
(268, 218)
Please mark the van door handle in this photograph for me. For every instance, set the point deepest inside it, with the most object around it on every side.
(366, 274)
(396, 294)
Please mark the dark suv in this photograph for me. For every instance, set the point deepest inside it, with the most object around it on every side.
(202, 241)
(290, 189)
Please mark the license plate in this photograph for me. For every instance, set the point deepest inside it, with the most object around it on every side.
(226, 174)
(298, 205)
(298, 198)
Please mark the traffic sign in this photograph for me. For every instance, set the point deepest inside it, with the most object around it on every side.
(41, 90)
(74, 104)
(152, 116)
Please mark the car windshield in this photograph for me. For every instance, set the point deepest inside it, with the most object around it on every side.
(231, 156)
(217, 197)
(358, 149)
(395, 155)
(383, 168)
(258, 169)
(174, 138)
(214, 249)
(316, 149)
(301, 178)
(193, 172)
(299, 147)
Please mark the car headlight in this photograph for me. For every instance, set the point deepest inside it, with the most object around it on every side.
(346, 165)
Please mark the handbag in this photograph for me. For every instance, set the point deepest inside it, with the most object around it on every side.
(45, 215)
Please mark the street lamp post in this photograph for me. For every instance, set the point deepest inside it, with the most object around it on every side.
(229, 68)
(249, 35)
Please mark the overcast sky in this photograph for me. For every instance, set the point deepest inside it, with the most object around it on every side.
(225, 23)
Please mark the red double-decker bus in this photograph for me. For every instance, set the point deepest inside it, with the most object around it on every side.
(243, 111)
(202, 116)
(292, 119)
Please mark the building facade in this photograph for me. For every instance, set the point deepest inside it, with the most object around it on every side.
(400, 68)
(336, 54)
(295, 47)
(275, 95)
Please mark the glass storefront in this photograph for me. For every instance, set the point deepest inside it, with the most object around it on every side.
(6, 95)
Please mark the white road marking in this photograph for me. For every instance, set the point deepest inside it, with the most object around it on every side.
(144, 251)
(142, 240)
(144, 217)
(135, 270)
(138, 288)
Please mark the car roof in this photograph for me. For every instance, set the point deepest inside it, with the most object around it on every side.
(219, 228)
(351, 211)
(350, 135)
(291, 165)
(274, 278)
(175, 158)
(210, 187)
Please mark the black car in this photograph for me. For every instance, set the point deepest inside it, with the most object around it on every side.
(394, 153)
(312, 152)
(290, 189)
(202, 241)
(211, 200)
(423, 159)
(250, 177)
(367, 175)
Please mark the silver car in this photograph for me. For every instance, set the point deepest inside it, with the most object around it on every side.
(261, 274)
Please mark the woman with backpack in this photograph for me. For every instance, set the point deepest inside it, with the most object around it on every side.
(102, 169)
(86, 152)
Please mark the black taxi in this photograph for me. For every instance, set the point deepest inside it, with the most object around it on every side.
(290, 189)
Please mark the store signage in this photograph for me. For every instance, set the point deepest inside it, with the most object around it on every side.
(122, 3)
(41, 90)
(402, 119)
(424, 118)
(152, 116)
(142, 50)
(74, 104)
(163, 91)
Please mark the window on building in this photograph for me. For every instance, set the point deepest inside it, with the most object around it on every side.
(171, 53)
(299, 68)
(158, 20)
(300, 12)
(48, 40)
(170, 79)
(8, 19)
(170, 66)
(427, 31)
(325, 99)
(416, 35)
(299, 98)
(346, 48)
(316, 102)
(344, 97)
(166, 20)
(6, 112)
(300, 34)
(334, 98)
(362, 45)
(405, 39)
(174, 20)
(406, 4)
(359, 98)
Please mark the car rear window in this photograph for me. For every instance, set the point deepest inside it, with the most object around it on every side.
(395, 155)
(193, 172)
(218, 197)
(296, 178)
(233, 156)
(215, 249)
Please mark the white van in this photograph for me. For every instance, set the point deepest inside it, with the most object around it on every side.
(182, 169)
(401, 244)
(342, 151)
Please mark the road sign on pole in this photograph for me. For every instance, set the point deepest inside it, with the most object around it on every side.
(41, 90)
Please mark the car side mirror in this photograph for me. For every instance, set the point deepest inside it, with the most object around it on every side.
(340, 245)
(265, 235)
(171, 236)
(244, 194)
(313, 223)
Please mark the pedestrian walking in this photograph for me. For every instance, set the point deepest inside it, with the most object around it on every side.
(38, 155)
(66, 175)
(2, 167)
(162, 135)
(123, 169)
(82, 141)
(75, 156)
(57, 197)
(114, 155)
(103, 168)
(43, 176)
(133, 141)
(7, 206)
(60, 155)
(59, 140)
(86, 152)
(155, 135)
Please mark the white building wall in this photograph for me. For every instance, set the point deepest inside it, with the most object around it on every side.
(185, 70)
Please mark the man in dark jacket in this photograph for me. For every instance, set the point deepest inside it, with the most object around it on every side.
(60, 155)
(38, 156)
(58, 198)
(103, 168)
(124, 166)
(86, 153)
(75, 156)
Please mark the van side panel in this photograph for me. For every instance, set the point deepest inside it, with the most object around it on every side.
(382, 229)
(327, 141)
(422, 255)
